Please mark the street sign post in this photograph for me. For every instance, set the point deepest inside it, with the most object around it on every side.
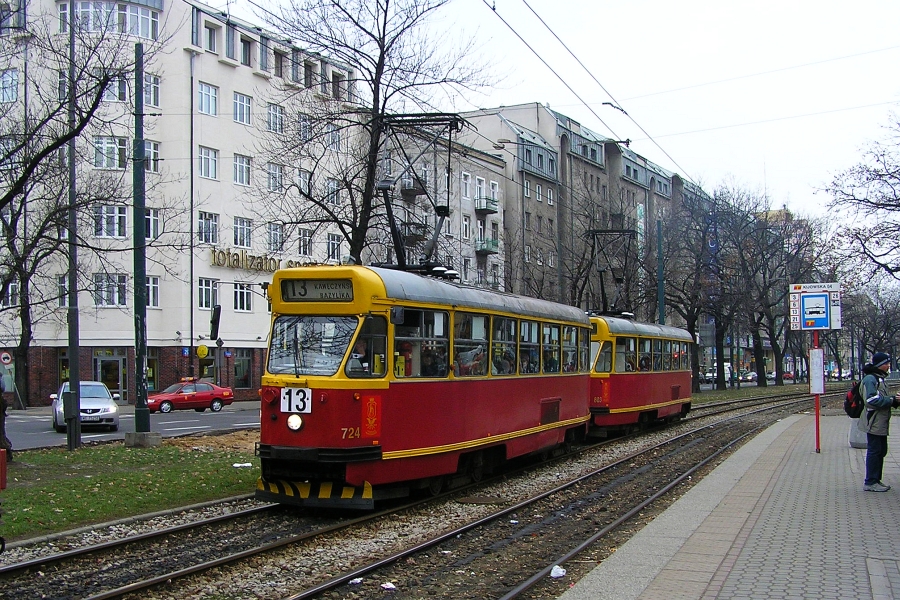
(814, 307)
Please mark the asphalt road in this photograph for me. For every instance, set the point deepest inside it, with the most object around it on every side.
(33, 427)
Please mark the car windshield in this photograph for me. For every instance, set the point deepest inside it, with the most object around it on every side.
(310, 345)
(172, 388)
(90, 389)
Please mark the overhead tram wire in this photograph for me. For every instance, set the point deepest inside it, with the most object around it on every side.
(617, 104)
(552, 70)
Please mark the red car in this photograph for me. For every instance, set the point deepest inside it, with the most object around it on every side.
(191, 393)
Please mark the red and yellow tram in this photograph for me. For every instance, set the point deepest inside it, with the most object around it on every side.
(641, 374)
(381, 381)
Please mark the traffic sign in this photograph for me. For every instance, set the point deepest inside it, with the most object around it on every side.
(5, 358)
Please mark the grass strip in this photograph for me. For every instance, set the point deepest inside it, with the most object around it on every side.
(52, 490)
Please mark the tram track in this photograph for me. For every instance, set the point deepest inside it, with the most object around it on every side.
(372, 533)
(125, 568)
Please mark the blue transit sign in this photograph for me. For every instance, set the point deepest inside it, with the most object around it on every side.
(814, 311)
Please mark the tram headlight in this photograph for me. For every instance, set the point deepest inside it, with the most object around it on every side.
(295, 422)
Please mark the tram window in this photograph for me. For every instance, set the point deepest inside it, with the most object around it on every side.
(667, 355)
(550, 347)
(503, 347)
(310, 345)
(685, 356)
(584, 348)
(529, 343)
(367, 357)
(420, 344)
(625, 355)
(645, 362)
(470, 344)
(570, 349)
(657, 355)
(604, 358)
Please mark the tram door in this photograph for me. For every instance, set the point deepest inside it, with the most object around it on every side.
(110, 371)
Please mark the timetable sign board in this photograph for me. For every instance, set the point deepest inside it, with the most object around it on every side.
(814, 306)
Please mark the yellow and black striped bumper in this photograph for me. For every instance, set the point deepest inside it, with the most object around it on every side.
(322, 494)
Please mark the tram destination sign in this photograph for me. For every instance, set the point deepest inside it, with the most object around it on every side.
(317, 290)
(814, 306)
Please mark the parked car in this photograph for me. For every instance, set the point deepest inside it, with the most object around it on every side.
(749, 376)
(708, 377)
(787, 375)
(97, 406)
(191, 393)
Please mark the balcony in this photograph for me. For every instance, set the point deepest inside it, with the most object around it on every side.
(485, 205)
(487, 246)
(414, 232)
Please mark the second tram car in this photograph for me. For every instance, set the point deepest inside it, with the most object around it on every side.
(641, 374)
(381, 381)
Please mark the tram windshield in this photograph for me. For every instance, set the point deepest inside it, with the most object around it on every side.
(310, 345)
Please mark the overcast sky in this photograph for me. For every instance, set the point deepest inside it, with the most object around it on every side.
(774, 95)
(769, 95)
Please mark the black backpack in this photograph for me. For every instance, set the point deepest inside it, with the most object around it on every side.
(853, 402)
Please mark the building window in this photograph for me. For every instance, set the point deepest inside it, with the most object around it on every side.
(305, 242)
(276, 237)
(551, 165)
(540, 164)
(242, 108)
(305, 128)
(208, 99)
(243, 297)
(109, 221)
(242, 368)
(538, 192)
(152, 291)
(551, 258)
(11, 297)
(279, 64)
(549, 197)
(151, 156)
(62, 290)
(242, 232)
(208, 228)
(246, 51)
(467, 266)
(332, 191)
(333, 137)
(464, 184)
(540, 224)
(275, 120)
(466, 227)
(304, 181)
(109, 289)
(142, 22)
(495, 190)
(241, 169)
(527, 156)
(528, 254)
(550, 227)
(338, 86)
(151, 224)
(209, 38)
(479, 187)
(110, 152)
(9, 85)
(308, 72)
(334, 246)
(209, 163)
(527, 188)
(116, 90)
(276, 177)
(208, 293)
(527, 220)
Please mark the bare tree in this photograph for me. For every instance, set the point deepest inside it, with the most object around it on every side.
(391, 65)
(867, 193)
(43, 108)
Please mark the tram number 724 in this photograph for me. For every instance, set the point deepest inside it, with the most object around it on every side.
(296, 400)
